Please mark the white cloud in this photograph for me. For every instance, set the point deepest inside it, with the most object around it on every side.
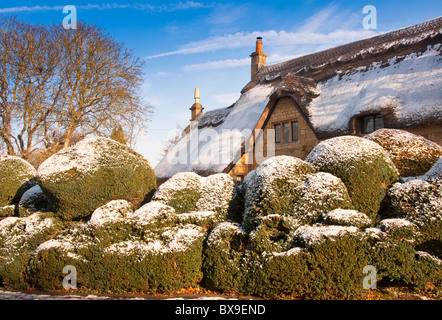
(27, 8)
(162, 74)
(217, 65)
(273, 39)
(109, 6)
(283, 46)
(318, 20)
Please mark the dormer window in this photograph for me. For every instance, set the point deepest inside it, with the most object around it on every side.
(371, 123)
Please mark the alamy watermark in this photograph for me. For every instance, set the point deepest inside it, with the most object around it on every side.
(70, 21)
(208, 146)
(371, 19)
(370, 281)
(70, 281)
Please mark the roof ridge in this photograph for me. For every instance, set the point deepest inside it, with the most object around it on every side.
(355, 46)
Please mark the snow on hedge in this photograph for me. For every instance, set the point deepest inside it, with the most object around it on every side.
(79, 179)
(347, 218)
(412, 154)
(363, 166)
(188, 192)
(153, 214)
(308, 236)
(16, 176)
(173, 239)
(273, 187)
(116, 211)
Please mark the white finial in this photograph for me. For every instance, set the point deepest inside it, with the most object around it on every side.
(197, 95)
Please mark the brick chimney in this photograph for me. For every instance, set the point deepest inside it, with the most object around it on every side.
(258, 58)
(196, 108)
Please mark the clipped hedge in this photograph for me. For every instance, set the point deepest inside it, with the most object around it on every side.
(187, 192)
(120, 250)
(19, 237)
(273, 188)
(303, 233)
(79, 179)
(16, 176)
(413, 155)
(363, 166)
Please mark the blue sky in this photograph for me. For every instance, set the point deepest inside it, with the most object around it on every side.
(206, 44)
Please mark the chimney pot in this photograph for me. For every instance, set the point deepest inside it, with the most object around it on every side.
(259, 44)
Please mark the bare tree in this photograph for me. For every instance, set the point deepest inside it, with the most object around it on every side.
(58, 86)
(27, 66)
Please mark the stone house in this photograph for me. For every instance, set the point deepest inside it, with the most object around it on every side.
(393, 80)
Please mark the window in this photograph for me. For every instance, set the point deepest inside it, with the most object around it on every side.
(286, 132)
(372, 123)
(277, 133)
(295, 134)
(286, 127)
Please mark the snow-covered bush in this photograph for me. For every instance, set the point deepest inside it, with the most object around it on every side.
(7, 211)
(274, 233)
(218, 194)
(363, 166)
(419, 201)
(342, 217)
(18, 238)
(226, 259)
(33, 200)
(273, 188)
(320, 193)
(110, 223)
(412, 154)
(308, 236)
(79, 179)
(415, 200)
(153, 215)
(188, 192)
(164, 261)
(182, 191)
(122, 250)
(16, 176)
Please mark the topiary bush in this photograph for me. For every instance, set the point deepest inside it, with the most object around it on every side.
(226, 258)
(16, 176)
(181, 192)
(413, 155)
(19, 237)
(79, 179)
(273, 188)
(121, 250)
(320, 193)
(362, 165)
(188, 192)
(274, 233)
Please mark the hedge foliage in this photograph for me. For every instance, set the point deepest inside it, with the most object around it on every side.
(304, 229)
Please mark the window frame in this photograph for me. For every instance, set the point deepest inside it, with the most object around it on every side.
(293, 139)
(373, 118)
(275, 125)
(286, 139)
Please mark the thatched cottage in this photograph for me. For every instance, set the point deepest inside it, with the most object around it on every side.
(393, 80)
